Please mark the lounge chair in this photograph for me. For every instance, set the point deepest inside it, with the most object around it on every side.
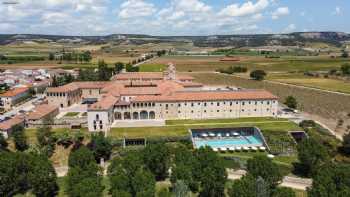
(238, 148)
(215, 149)
(231, 149)
(262, 148)
(254, 148)
(246, 148)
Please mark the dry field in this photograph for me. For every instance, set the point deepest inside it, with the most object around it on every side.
(332, 107)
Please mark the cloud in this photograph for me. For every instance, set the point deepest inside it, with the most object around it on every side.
(248, 8)
(281, 11)
(337, 11)
(136, 8)
(290, 28)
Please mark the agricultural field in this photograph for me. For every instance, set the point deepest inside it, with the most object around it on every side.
(330, 106)
(283, 64)
(315, 82)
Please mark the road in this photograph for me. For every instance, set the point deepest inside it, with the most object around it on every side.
(291, 182)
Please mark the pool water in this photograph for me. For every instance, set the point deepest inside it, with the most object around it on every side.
(232, 142)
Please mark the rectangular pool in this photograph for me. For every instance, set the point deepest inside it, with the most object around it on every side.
(233, 142)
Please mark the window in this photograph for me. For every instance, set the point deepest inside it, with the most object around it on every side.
(141, 104)
(101, 127)
(230, 103)
(256, 102)
(217, 104)
(242, 109)
(97, 116)
(249, 102)
(153, 104)
(90, 92)
(179, 112)
(199, 103)
(237, 102)
(254, 109)
(205, 104)
(268, 102)
(218, 111)
(243, 103)
(95, 127)
(179, 105)
(133, 104)
(205, 111)
(192, 104)
(267, 109)
(192, 111)
(100, 121)
(230, 110)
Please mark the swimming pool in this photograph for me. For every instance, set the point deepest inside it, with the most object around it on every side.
(242, 141)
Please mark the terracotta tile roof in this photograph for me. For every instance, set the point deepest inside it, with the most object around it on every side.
(191, 84)
(209, 96)
(105, 103)
(79, 85)
(146, 76)
(14, 92)
(139, 75)
(8, 124)
(41, 111)
(66, 88)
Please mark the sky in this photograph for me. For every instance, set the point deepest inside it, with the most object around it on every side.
(172, 17)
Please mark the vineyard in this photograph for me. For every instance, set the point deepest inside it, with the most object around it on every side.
(327, 105)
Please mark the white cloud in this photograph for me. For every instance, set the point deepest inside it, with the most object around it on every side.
(136, 8)
(337, 11)
(245, 9)
(281, 11)
(290, 28)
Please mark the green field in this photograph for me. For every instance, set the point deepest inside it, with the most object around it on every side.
(152, 67)
(283, 64)
(315, 82)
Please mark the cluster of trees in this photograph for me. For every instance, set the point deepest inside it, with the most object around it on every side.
(136, 173)
(258, 75)
(19, 59)
(147, 57)
(262, 178)
(81, 57)
(61, 80)
(102, 73)
(233, 69)
(291, 102)
(345, 69)
(29, 171)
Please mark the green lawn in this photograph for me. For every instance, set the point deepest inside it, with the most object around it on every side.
(71, 114)
(181, 127)
(152, 67)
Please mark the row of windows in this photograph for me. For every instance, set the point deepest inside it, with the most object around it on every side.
(61, 94)
(143, 104)
(205, 111)
(218, 103)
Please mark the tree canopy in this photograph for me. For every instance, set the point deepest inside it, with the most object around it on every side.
(258, 75)
(291, 102)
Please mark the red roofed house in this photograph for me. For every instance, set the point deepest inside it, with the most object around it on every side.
(7, 126)
(40, 113)
(12, 97)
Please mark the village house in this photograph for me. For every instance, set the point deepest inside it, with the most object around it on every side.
(13, 97)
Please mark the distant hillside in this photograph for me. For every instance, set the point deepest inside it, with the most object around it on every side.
(292, 39)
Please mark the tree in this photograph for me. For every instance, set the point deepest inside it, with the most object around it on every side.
(144, 183)
(19, 138)
(331, 180)
(345, 69)
(181, 189)
(104, 73)
(291, 102)
(54, 82)
(51, 56)
(184, 166)
(344, 54)
(128, 176)
(119, 66)
(258, 75)
(100, 146)
(84, 177)
(21, 172)
(42, 177)
(131, 68)
(262, 166)
(157, 160)
(3, 142)
(346, 144)
(244, 187)
(283, 192)
(210, 172)
(312, 155)
(45, 139)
